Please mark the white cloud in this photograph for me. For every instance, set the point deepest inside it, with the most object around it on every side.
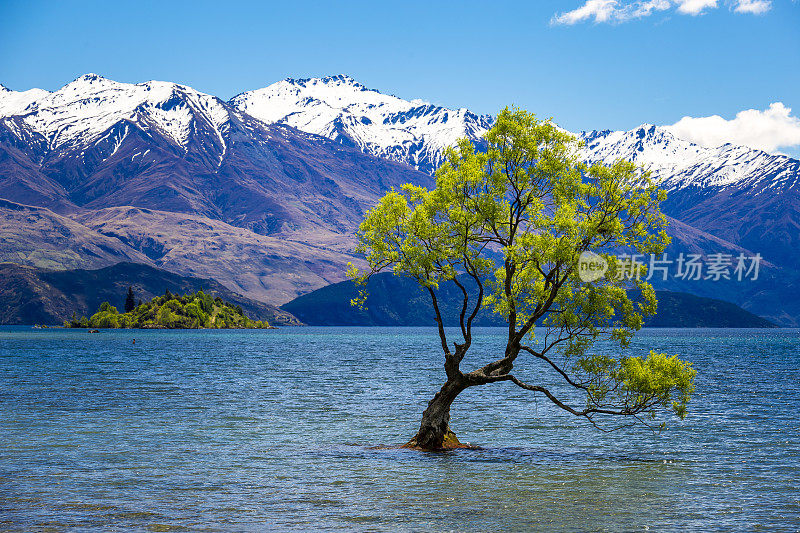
(600, 10)
(768, 130)
(611, 11)
(614, 11)
(756, 7)
(695, 7)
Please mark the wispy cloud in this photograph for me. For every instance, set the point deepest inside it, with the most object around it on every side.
(616, 11)
(600, 10)
(771, 130)
(756, 7)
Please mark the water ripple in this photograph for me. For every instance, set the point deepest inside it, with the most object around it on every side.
(254, 431)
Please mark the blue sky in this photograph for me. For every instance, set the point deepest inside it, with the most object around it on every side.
(614, 71)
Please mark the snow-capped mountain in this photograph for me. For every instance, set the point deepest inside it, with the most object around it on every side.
(417, 133)
(677, 164)
(338, 107)
(83, 111)
(264, 192)
(111, 143)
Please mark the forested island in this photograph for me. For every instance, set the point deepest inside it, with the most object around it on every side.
(190, 311)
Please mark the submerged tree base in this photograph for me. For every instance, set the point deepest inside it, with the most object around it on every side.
(449, 442)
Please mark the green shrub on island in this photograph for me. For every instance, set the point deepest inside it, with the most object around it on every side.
(190, 311)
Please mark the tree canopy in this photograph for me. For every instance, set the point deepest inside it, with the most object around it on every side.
(515, 219)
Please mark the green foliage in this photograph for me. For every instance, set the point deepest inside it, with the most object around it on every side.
(75, 322)
(190, 311)
(516, 218)
(637, 384)
(659, 378)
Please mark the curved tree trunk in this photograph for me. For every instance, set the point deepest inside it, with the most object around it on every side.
(434, 430)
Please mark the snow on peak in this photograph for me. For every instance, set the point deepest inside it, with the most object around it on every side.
(84, 109)
(337, 79)
(90, 77)
(677, 163)
(15, 102)
(338, 107)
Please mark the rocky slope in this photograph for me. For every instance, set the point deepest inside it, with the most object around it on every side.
(39, 237)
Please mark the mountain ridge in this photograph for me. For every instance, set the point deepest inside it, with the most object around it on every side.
(162, 174)
(414, 132)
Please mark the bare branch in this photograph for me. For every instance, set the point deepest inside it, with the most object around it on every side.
(555, 367)
(442, 334)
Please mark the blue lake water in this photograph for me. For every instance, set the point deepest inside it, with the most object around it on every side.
(272, 430)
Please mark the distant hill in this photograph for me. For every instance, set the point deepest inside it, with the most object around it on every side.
(395, 301)
(30, 295)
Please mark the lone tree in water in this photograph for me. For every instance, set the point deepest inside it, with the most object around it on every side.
(507, 226)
